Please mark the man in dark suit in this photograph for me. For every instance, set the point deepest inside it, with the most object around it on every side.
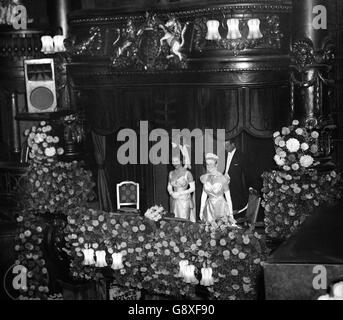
(235, 165)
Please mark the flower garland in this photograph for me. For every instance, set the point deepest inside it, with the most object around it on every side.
(151, 256)
(291, 194)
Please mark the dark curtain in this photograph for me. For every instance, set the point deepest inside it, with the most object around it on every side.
(103, 186)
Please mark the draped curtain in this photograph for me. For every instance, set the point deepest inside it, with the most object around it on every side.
(103, 186)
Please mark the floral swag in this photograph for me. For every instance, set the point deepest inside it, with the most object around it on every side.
(151, 253)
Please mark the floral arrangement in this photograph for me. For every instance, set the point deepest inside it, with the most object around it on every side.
(151, 256)
(56, 187)
(43, 145)
(291, 194)
(49, 187)
(295, 148)
(290, 199)
(155, 213)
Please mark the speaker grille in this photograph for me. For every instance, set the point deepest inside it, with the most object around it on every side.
(42, 98)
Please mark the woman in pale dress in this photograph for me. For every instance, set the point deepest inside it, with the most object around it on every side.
(181, 187)
(215, 186)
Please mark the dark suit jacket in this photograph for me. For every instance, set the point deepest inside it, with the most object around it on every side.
(238, 188)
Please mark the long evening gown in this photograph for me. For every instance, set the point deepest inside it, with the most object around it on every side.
(216, 205)
(184, 206)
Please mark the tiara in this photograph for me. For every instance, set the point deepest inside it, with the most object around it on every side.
(211, 156)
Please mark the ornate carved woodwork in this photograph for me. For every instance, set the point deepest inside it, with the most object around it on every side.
(135, 41)
(313, 56)
(310, 70)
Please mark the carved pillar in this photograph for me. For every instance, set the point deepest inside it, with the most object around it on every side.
(312, 57)
(312, 60)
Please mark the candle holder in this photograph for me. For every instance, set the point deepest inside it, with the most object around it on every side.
(89, 257)
(117, 261)
(233, 29)
(213, 30)
(189, 276)
(100, 259)
(182, 264)
(254, 29)
(206, 279)
(47, 44)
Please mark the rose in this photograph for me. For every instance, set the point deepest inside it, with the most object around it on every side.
(315, 135)
(295, 167)
(279, 161)
(285, 131)
(282, 144)
(306, 161)
(299, 131)
(304, 146)
(276, 134)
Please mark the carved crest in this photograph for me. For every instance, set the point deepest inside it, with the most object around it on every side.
(149, 46)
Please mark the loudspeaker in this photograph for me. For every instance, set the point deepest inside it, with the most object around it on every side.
(40, 85)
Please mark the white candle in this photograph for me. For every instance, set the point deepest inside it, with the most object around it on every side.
(47, 44)
(89, 257)
(101, 259)
(206, 279)
(182, 264)
(117, 261)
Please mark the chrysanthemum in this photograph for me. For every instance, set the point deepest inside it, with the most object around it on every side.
(293, 145)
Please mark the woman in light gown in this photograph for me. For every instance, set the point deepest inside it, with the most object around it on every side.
(215, 186)
(181, 187)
